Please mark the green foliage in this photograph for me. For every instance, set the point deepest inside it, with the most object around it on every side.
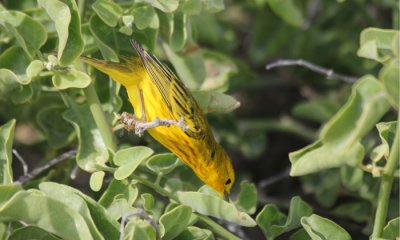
(68, 106)
(7, 135)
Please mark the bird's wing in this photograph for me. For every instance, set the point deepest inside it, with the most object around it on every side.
(179, 100)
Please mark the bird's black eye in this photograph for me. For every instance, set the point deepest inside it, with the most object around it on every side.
(228, 181)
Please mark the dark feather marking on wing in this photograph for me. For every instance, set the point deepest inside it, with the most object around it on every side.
(184, 98)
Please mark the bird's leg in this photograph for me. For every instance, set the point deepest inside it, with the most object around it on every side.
(142, 104)
(131, 122)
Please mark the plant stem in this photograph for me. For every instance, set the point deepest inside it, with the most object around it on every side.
(100, 118)
(154, 186)
(386, 187)
(218, 229)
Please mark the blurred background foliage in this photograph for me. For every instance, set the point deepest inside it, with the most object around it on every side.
(219, 49)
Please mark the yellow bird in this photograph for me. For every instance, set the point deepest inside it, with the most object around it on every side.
(167, 109)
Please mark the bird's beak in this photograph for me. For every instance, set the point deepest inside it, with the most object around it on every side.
(226, 196)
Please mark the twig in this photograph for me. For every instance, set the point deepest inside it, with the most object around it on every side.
(74, 172)
(140, 126)
(22, 161)
(329, 73)
(48, 165)
(273, 179)
(139, 213)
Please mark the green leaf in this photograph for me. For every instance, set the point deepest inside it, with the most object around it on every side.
(65, 16)
(216, 207)
(391, 230)
(8, 83)
(179, 34)
(3, 227)
(58, 132)
(357, 211)
(376, 44)
(144, 16)
(273, 223)
(319, 228)
(99, 31)
(96, 180)
(320, 110)
(389, 75)
(138, 229)
(34, 69)
(386, 130)
(162, 163)
(299, 235)
(195, 233)
(7, 191)
(119, 189)
(6, 140)
(351, 177)
(97, 218)
(66, 195)
(288, 11)
(29, 33)
(92, 149)
(32, 232)
(119, 208)
(173, 222)
(70, 78)
(190, 68)
(148, 201)
(13, 65)
(49, 214)
(191, 7)
(213, 6)
(22, 94)
(339, 142)
(220, 69)
(268, 217)
(210, 101)
(163, 5)
(147, 37)
(108, 11)
(325, 186)
(247, 198)
(129, 159)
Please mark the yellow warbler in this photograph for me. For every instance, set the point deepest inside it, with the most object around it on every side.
(156, 93)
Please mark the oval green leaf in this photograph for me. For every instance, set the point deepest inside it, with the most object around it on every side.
(210, 101)
(49, 214)
(174, 222)
(216, 207)
(247, 198)
(339, 142)
(389, 75)
(6, 140)
(129, 159)
(288, 11)
(108, 11)
(96, 180)
(29, 33)
(66, 17)
(162, 163)
(70, 78)
(92, 149)
(32, 232)
(98, 218)
(319, 228)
